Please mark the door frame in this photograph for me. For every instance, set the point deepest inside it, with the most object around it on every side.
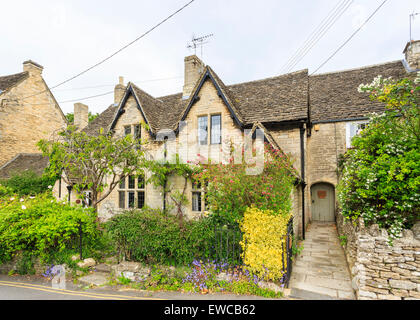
(332, 188)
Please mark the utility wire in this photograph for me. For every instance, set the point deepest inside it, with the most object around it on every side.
(111, 85)
(321, 35)
(310, 37)
(74, 100)
(348, 40)
(116, 52)
(318, 34)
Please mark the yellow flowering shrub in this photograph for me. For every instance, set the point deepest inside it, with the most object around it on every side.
(264, 237)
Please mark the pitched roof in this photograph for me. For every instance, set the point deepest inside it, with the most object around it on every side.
(276, 99)
(152, 108)
(334, 95)
(9, 81)
(102, 121)
(24, 162)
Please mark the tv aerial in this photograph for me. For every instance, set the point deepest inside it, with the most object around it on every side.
(199, 42)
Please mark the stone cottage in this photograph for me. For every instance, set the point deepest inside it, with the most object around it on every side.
(312, 118)
(28, 113)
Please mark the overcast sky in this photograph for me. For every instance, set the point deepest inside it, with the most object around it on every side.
(252, 40)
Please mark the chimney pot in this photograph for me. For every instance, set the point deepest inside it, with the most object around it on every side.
(81, 115)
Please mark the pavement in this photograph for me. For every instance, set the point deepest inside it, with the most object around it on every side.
(38, 288)
(320, 272)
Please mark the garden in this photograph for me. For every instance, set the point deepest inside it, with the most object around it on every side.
(239, 246)
(380, 174)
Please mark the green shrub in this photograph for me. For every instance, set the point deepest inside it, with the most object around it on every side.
(151, 236)
(42, 226)
(230, 189)
(27, 183)
(381, 174)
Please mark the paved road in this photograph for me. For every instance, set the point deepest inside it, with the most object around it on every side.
(37, 288)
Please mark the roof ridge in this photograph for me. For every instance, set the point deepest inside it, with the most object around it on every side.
(359, 68)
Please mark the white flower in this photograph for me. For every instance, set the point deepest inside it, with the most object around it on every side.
(11, 199)
(49, 187)
(21, 199)
(31, 197)
(23, 207)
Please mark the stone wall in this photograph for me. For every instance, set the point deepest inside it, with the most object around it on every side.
(381, 271)
(24, 122)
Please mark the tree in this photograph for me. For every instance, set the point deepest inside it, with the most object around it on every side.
(93, 163)
(380, 177)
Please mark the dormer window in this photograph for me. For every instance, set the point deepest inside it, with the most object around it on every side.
(215, 129)
(202, 130)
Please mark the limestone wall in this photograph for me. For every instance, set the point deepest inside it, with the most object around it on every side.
(381, 271)
(24, 122)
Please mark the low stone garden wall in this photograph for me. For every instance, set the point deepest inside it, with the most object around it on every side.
(381, 271)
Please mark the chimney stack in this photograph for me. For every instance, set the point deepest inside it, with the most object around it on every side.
(412, 54)
(81, 115)
(32, 67)
(119, 90)
(193, 69)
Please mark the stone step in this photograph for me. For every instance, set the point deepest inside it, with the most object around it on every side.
(103, 268)
(308, 295)
(95, 279)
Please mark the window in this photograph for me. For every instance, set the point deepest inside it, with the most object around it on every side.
(215, 131)
(352, 129)
(127, 130)
(137, 131)
(87, 201)
(131, 192)
(197, 197)
(202, 130)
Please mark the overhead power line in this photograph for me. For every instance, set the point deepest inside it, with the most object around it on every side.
(317, 34)
(348, 40)
(112, 85)
(115, 53)
(316, 30)
(74, 100)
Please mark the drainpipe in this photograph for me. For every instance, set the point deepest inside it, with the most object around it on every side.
(302, 170)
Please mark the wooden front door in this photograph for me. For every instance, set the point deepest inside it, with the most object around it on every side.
(322, 196)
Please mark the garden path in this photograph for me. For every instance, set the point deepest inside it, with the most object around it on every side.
(320, 271)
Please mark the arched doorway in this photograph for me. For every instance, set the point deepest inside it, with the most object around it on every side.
(323, 202)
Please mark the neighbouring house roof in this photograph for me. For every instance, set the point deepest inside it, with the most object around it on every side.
(24, 162)
(9, 81)
(334, 96)
(102, 121)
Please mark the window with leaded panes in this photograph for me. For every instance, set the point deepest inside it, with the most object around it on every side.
(197, 197)
(131, 193)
